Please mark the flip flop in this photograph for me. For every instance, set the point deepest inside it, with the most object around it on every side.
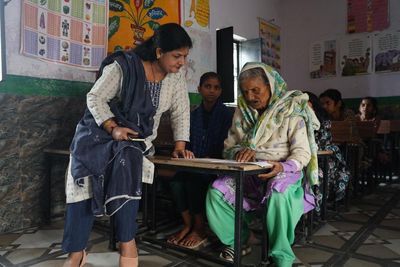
(228, 253)
(175, 240)
(199, 245)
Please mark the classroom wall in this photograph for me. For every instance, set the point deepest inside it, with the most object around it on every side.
(306, 21)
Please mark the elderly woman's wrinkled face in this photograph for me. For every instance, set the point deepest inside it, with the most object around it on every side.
(256, 92)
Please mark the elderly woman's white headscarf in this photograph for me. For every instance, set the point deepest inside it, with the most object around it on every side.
(258, 129)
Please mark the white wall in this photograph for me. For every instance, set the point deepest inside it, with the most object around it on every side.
(243, 16)
(305, 21)
(19, 64)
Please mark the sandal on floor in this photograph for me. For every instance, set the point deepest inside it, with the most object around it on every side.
(228, 253)
(199, 245)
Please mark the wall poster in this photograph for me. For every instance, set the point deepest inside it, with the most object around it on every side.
(133, 21)
(270, 35)
(323, 59)
(196, 14)
(367, 15)
(387, 51)
(64, 31)
(356, 56)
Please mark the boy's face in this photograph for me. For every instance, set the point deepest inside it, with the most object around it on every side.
(210, 90)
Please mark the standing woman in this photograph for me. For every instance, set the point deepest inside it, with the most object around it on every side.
(107, 164)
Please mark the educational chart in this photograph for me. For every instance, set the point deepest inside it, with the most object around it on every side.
(196, 14)
(356, 57)
(71, 32)
(199, 59)
(133, 21)
(323, 59)
(270, 35)
(367, 15)
(387, 51)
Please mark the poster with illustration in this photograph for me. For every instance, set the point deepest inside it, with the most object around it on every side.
(196, 14)
(73, 34)
(323, 59)
(133, 21)
(367, 15)
(387, 51)
(199, 59)
(270, 35)
(355, 55)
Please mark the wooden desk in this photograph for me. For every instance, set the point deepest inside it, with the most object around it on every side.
(238, 171)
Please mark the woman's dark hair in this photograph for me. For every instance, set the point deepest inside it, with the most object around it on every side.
(209, 75)
(167, 37)
(373, 101)
(319, 111)
(335, 95)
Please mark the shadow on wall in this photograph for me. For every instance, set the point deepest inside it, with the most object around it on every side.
(30, 124)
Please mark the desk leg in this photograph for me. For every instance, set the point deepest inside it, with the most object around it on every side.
(153, 204)
(325, 186)
(238, 219)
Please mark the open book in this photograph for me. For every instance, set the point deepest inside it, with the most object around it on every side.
(262, 164)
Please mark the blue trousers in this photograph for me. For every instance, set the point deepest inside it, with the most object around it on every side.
(79, 222)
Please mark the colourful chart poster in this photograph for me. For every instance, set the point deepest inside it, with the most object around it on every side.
(387, 51)
(367, 15)
(196, 14)
(70, 32)
(270, 35)
(356, 56)
(133, 21)
(323, 59)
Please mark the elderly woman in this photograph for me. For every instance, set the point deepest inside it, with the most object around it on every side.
(275, 125)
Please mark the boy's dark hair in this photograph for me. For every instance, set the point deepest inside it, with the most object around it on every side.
(167, 37)
(335, 95)
(209, 75)
(319, 111)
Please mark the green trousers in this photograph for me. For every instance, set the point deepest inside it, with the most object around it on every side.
(284, 212)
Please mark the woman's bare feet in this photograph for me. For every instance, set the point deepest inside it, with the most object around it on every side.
(194, 240)
(178, 236)
(75, 259)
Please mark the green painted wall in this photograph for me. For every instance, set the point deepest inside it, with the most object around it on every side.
(25, 85)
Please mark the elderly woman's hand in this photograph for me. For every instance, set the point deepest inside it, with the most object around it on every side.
(276, 168)
(246, 155)
(183, 153)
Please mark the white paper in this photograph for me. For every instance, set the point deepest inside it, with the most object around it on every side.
(262, 164)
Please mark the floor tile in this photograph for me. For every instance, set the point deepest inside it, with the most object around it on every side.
(379, 251)
(394, 245)
(22, 255)
(39, 239)
(359, 263)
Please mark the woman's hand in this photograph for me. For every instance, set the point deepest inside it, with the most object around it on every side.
(122, 133)
(246, 155)
(276, 168)
(182, 153)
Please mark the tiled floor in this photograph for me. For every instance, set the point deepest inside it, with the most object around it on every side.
(367, 235)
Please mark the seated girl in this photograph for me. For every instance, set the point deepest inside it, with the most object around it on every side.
(338, 175)
(275, 125)
(331, 100)
(209, 125)
(368, 110)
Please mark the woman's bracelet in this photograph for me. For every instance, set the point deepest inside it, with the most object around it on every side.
(109, 125)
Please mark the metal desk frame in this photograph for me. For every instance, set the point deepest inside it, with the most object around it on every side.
(237, 171)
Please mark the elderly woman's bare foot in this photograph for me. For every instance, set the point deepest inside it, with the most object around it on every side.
(178, 236)
(194, 240)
